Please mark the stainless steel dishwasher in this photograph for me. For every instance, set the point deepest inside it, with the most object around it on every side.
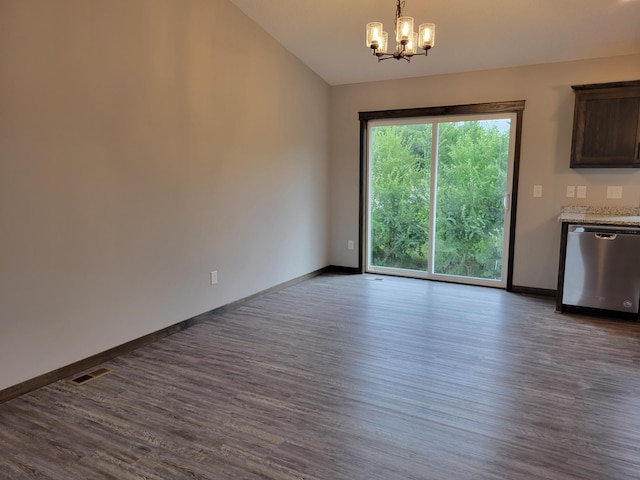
(602, 268)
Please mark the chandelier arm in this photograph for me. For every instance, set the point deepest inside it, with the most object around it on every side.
(385, 56)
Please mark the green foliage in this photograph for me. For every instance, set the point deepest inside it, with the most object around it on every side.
(400, 196)
(472, 165)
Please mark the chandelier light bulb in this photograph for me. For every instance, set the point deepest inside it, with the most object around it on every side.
(427, 35)
(411, 47)
(404, 30)
(384, 42)
(374, 35)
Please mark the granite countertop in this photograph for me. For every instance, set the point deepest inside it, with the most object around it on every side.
(600, 215)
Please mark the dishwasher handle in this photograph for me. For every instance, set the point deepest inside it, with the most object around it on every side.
(606, 236)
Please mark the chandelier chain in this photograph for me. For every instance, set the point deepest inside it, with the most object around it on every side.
(399, 8)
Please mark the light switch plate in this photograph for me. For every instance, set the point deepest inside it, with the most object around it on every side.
(614, 192)
(537, 191)
(582, 191)
(571, 191)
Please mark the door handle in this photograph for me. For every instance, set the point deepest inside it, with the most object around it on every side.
(606, 236)
(506, 201)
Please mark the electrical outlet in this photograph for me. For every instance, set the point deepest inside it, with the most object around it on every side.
(214, 277)
(582, 191)
(571, 191)
(537, 191)
(350, 245)
(614, 192)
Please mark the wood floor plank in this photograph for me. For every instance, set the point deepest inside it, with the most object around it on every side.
(347, 378)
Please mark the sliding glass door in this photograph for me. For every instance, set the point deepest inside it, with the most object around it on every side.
(439, 197)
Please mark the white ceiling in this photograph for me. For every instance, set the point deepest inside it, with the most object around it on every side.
(329, 35)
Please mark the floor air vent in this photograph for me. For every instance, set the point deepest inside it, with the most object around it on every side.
(87, 377)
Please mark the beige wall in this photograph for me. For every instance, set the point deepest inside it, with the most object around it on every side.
(546, 143)
(141, 147)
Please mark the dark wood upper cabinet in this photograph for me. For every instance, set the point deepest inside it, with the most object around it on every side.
(606, 125)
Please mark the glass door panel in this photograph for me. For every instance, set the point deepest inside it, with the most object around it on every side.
(470, 213)
(400, 179)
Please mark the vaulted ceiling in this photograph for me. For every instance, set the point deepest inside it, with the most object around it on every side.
(329, 35)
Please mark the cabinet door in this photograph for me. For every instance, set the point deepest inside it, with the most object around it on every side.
(607, 128)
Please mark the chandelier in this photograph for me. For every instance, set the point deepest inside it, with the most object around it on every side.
(408, 42)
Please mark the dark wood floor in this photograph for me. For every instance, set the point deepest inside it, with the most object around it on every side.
(350, 377)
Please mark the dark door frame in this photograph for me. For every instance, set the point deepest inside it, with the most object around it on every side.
(516, 107)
